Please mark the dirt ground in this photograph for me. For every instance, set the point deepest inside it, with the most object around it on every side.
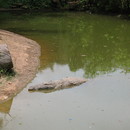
(25, 55)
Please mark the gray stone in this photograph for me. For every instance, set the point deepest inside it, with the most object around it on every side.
(5, 58)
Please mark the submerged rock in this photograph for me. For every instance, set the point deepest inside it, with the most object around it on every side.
(58, 84)
(5, 58)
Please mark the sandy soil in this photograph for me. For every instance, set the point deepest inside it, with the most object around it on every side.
(25, 55)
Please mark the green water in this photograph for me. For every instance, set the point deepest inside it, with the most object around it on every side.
(80, 45)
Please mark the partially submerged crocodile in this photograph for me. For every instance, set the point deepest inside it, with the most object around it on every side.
(58, 84)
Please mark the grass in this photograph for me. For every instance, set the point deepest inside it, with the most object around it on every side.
(8, 73)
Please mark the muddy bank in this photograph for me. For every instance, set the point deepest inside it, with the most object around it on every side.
(25, 56)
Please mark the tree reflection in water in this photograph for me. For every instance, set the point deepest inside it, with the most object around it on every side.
(95, 43)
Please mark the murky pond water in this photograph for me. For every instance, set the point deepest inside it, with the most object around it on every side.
(80, 45)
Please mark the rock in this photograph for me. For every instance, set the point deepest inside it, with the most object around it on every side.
(5, 58)
(58, 84)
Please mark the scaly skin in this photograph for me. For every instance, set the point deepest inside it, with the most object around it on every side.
(58, 84)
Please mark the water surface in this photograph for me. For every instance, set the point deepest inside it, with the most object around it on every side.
(80, 45)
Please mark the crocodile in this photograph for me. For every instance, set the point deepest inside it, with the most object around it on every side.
(58, 84)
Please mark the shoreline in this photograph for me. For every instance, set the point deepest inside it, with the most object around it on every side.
(116, 14)
(21, 49)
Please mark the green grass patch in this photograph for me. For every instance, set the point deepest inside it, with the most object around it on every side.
(8, 73)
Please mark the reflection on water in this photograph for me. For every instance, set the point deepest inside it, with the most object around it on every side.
(75, 45)
(103, 103)
(4, 112)
(58, 72)
(96, 44)
(6, 106)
